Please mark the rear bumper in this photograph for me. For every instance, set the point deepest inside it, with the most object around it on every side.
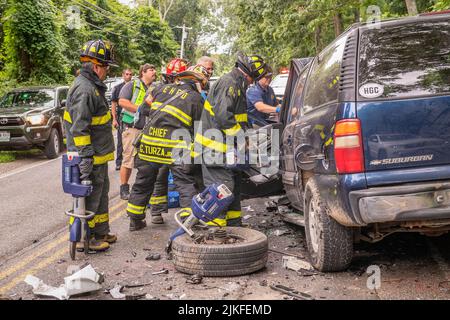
(413, 202)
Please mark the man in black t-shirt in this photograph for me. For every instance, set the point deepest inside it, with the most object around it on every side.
(116, 111)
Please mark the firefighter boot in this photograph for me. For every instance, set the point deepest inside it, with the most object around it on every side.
(157, 219)
(94, 245)
(110, 238)
(125, 191)
(136, 225)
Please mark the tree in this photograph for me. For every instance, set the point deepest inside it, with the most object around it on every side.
(33, 44)
(411, 5)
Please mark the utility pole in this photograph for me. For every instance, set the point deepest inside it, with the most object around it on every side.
(183, 38)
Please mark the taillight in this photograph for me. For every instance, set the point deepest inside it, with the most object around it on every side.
(348, 147)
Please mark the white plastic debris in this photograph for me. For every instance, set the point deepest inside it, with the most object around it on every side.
(280, 232)
(83, 281)
(116, 292)
(293, 263)
(248, 208)
(246, 217)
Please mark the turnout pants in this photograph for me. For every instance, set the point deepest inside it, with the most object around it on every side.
(146, 177)
(98, 201)
(159, 201)
(232, 179)
(119, 146)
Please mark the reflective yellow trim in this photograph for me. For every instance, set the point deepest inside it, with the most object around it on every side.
(218, 222)
(233, 131)
(82, 141)
(329, 141)
(91, 223)
(92, 49)
(176, 115)
(101, 218)
(174, 111)
(233, 214)
(135, 209)
(242, 117)
(97, 121)
(101, 51)
(158, 200)
(164, 142)
(104, 159)
(67, 117)
(208, 107)
(156, 159)
(211, 144)
(186, 212)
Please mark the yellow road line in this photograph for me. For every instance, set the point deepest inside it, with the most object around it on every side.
(14, 282)
(40, 252)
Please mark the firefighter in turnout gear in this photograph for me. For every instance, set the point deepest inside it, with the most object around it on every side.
(88, 126)
(167, 140)
(158, 203)
(222, 131)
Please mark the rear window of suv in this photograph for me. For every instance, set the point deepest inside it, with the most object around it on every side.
(405, 61)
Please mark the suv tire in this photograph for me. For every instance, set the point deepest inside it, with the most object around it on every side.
(52, 145)
(330, 244)
(222, 260)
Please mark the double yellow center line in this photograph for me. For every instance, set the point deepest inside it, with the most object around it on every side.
(44, 263)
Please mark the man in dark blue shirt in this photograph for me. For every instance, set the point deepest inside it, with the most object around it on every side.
(261, 101)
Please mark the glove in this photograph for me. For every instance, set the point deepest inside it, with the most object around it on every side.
(86, 166)
(278, 109)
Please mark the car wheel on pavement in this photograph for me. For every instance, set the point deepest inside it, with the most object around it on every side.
(53, 145)
(330, 244)
(247, 255)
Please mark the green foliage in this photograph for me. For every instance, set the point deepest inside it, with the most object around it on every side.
(282, 30)
(33, 45)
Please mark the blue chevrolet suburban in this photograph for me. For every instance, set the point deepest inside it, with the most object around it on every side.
(365, 142)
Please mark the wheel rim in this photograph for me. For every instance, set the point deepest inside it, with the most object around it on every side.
(313, 226)
(56, 143)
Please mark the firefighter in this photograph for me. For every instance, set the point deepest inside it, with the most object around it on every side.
(222, 131)
(88, 125)
(158, 203)
(167, 140)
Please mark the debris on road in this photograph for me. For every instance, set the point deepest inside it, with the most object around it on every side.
(246, 217)
(195, 279)
(84, 281)
(153, 257)
(150, 297)
(138, 285)
(287, 254)
(249, 209)
(271, 206)
(135, 296)
(293, 263)
(134, 254)
(163, 271)
(61, 261)
(445, 285)
(116, 292)
(291, 292)
(279, 233)
(263, 283)
(284, 209)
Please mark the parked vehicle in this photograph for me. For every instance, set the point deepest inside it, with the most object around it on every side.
(372, 89)
(32, 117)
(278, 85)
(111, 83)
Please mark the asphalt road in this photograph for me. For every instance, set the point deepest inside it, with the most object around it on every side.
(411, 266)
(32, 201)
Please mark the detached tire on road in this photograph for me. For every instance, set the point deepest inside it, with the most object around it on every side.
(222, 260)
(53, 145)
(330, 244)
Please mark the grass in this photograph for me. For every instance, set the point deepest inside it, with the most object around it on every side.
(7, 156)
(10, 156)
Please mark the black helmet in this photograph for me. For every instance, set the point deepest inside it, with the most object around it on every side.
(99, 52)
(252, 65)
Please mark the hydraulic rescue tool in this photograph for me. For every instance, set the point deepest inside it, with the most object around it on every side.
(206, 207)
(72, 184)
